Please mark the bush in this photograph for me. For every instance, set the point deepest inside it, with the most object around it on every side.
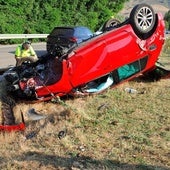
(20, 17)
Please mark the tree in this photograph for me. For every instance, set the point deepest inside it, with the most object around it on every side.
(167, 20)
(41, 16)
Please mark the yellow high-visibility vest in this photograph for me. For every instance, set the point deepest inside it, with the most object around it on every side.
(21, 52)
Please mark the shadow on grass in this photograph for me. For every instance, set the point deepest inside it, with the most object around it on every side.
(82, 162)
(154, 75)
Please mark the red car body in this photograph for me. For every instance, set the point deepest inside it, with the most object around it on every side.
(105, 53)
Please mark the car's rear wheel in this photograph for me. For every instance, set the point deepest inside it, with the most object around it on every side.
(142, 19)
(111, 23)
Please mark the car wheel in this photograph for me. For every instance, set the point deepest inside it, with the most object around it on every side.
(111, 23)
(142, 19)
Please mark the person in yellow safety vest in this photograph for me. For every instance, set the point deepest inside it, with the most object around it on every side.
(25, 52)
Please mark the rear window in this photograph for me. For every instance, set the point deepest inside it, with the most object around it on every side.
(62, 31)
(82, 31)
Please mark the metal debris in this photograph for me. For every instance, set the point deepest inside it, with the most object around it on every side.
(62, 134)
(33, 115)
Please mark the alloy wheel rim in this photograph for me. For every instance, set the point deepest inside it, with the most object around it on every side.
(144, 18)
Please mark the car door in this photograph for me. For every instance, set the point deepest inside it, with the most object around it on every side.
(88, 62)
(103, 54)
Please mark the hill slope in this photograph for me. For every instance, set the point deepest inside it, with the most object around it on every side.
(158, 5)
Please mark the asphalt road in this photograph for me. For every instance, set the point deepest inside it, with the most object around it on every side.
(7, 53)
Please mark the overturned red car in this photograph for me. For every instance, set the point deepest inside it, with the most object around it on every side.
(119, 53)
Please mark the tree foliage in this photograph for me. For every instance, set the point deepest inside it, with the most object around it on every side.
(167, 20)
(40, 16)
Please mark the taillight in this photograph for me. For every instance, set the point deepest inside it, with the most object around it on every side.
(73, 39)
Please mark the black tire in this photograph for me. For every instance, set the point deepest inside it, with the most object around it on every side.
(143, 19)
(110, 24)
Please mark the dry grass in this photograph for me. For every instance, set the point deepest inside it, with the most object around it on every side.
(113, 130)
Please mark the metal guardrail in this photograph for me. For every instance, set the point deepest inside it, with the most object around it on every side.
(18, 36)
(27, 36)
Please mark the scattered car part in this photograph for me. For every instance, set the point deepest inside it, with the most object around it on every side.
(31, 135)
(131, 90)
(62, 134)
(33, 115)
(14, 127)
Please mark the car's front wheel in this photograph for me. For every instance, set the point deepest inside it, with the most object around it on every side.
(143, 19)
